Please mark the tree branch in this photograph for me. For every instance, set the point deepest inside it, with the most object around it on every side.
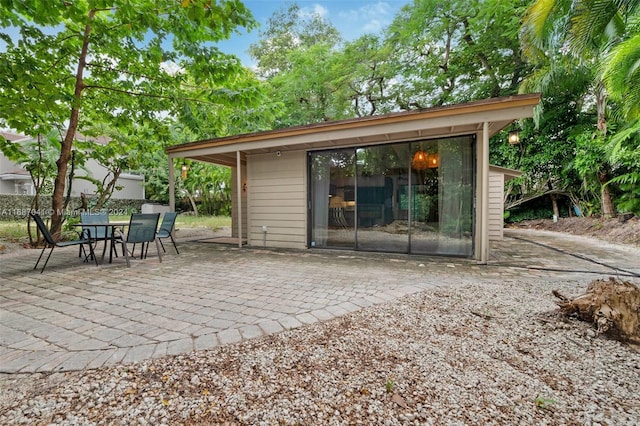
(103, 67)
(148, 95)
(483, 59)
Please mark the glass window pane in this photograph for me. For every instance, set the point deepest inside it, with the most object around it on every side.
(382, 172)
(332, 195)
(442, 197)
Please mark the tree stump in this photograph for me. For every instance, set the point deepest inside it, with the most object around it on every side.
(613, 306)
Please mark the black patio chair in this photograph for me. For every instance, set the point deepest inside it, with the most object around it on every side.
(166, 229)
(142, 229)
(85, 238)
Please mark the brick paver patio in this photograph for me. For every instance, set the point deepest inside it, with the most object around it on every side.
(78, 316)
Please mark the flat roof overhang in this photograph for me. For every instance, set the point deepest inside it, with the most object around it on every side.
(395, 127)
(508, 173)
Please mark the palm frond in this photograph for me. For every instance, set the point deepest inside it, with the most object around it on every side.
(621, 74)
(622, 139)
(628, 7)
(554, 79)
(592, 20)
(542, 27)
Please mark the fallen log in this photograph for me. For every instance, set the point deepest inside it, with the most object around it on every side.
(613, 306)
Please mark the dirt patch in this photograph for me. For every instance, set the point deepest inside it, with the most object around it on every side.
(611, 230)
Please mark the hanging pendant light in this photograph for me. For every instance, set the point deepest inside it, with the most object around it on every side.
(420, 160)
(433, 161)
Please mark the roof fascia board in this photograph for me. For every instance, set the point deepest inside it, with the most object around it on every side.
(327, 135)
(505, 171)
(524, 102)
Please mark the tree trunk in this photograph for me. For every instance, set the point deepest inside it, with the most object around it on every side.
(84, 205)
(72, 173)
(604, 175)
(608, 211)
(107, 192)
(484, 60)
(612, 306)
(38, 182)
(57, 201)
(194, 206)
(554, 205)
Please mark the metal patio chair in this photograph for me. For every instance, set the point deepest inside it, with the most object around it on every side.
(142, 229)
(85, 238)
(99, 233)
(167, 228)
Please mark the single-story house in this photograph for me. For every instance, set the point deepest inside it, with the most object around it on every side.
(406, 182)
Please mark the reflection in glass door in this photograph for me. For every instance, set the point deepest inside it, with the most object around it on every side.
(382, 171)
(442, 197)
(409, 197)
(332, 191)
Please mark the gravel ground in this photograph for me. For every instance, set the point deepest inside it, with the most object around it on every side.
(489, 353)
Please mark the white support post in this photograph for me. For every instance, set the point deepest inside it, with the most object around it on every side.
(172, 186)
(239, 192)
(484, 244)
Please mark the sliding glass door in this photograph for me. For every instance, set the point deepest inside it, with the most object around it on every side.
(410, 197)
(332, 198)
(382, 221)
(442, 197)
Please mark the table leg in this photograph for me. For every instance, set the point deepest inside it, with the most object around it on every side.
(111, 245)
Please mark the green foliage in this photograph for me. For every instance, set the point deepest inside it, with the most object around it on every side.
(621, 72)
(629, 183)
(363, 73)
(120, 62)
(583, 47)
(542, 402)
(590, 151)
(306, 91)
(286, 32)
(295, 55)
(457, 51)
(389, 385)
(518, 215)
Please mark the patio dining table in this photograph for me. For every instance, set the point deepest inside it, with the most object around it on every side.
(108, 236)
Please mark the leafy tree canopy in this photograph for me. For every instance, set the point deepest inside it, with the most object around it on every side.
(118, 62)
(456, 51)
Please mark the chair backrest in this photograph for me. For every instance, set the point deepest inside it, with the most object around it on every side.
(43, 229)
(168, 222)
(142, 227)
(87, 218)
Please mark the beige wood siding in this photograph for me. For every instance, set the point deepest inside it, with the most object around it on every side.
(496, 206)
(277, 199)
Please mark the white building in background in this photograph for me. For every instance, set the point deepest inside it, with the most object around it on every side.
(15, 179)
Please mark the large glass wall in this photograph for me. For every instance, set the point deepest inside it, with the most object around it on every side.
(410, 197)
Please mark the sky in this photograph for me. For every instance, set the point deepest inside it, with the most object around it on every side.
(352, 18)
